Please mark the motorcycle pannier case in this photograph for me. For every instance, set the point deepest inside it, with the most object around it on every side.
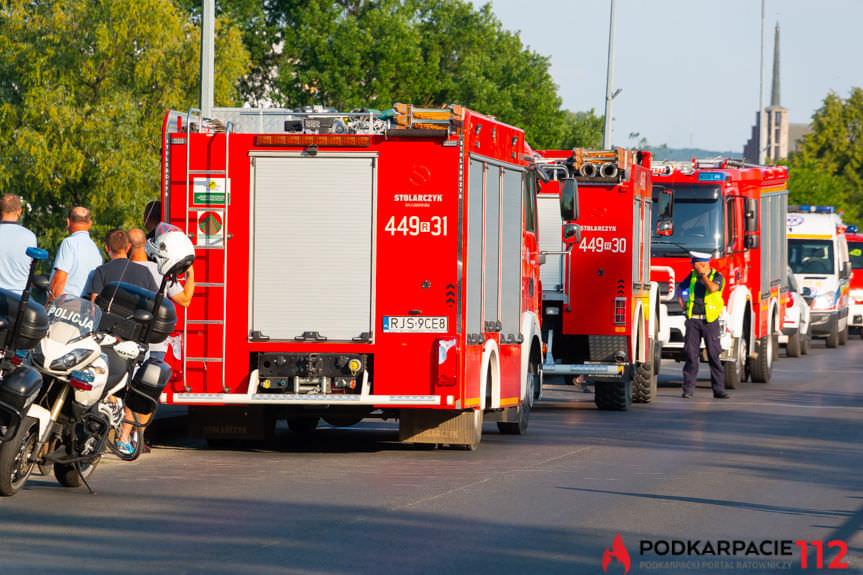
(17, 390)
(119, 302)
(34, 323)
(147, 385)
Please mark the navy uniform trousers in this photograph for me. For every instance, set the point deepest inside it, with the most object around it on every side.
(696, 330)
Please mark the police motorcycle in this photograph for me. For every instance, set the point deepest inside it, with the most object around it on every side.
(91, 365)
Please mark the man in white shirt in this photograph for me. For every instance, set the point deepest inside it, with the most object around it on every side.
(14, 241)
(77, 256)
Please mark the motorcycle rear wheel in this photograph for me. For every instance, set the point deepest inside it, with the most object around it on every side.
(17, 457)
(68, 476)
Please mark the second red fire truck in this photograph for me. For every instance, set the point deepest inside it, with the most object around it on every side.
(736, 212)
(600, 310)
(352, 265)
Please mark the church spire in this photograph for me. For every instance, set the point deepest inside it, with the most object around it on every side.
(774, 99)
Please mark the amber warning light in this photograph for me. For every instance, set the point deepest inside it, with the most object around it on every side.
(321, 140)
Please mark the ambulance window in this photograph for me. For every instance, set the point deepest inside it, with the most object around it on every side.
(530, 202)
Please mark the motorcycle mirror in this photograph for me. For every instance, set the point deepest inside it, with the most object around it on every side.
(37, 253)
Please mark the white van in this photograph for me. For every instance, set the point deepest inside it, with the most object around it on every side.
(818, 256)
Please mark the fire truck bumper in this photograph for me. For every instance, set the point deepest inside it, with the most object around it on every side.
(592, 371)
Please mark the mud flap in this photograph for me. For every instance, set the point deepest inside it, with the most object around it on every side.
(438, 426)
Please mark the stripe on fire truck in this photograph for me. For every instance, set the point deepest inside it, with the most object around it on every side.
(300, 399)
(810, 236)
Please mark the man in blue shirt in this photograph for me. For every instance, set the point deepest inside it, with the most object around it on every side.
(77, 256)
(14, 241)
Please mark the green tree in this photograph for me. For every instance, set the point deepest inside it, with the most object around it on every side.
(828, 167)
(350, 54)
(84, 85)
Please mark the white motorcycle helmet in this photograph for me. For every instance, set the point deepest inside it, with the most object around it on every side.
(171, 249)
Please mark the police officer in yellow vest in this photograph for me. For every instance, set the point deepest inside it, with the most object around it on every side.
(700, 295)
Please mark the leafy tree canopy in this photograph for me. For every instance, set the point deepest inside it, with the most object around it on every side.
(84, 85)
(828, 167)
(350, 54)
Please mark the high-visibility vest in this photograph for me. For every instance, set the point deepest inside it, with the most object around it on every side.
(713, 303)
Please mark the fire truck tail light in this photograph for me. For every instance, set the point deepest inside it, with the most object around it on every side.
(447, 361)
(320, 140)
(619, 311)
(789, 303)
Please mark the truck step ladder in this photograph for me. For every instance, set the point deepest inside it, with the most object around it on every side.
(190, 173)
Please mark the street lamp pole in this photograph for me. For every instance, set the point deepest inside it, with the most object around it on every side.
(610, 94)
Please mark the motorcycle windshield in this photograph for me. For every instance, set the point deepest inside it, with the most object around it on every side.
(71, 318)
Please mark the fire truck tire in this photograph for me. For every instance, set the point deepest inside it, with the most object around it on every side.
(762, 367)
(644, 384)
(613, 395)
(843, 336)
(833, 338)
(804, 344)
(343, 420)
(520, 427)
(735, 371)
(792, 348)
(302, 424)
(657, 358)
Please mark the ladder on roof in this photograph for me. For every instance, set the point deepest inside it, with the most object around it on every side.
(206, 360)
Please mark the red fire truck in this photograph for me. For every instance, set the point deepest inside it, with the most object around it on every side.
(353, 265)
(736, 212)
(600, 310)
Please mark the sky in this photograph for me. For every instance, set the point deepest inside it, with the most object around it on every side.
(690, 69)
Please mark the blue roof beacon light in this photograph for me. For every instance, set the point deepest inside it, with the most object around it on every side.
(851, 229)
(812, 209)
(712, 176)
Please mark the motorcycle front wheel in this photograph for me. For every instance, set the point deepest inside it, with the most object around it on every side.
(17, 458)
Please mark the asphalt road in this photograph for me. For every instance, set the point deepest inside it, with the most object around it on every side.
(777, 462)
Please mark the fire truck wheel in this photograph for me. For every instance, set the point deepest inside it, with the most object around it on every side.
(804, 344)
(735, 371)
(833, 338)
(792, 348)
(843, 336)
(762, 367)
(519, 427)
(613, 395)
(644, 385)
(302, 424)
(657, 358)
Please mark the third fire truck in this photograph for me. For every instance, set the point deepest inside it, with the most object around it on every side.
(352, 265)
(600, 310)
(736, 212)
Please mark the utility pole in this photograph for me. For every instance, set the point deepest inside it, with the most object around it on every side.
(610, 93)
(762, 121)
(208, 27)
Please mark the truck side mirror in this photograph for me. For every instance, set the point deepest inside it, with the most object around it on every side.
(664, 228)
(572, 233)
(664, 203)
(750, 217)
(569, 200)
(750, 241)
